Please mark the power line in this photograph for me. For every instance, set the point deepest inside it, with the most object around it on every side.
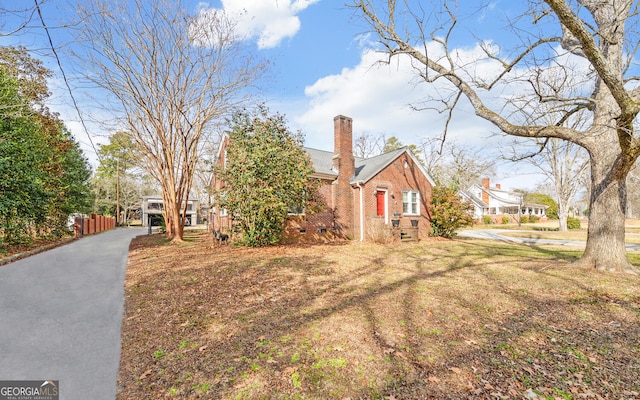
(64, 77)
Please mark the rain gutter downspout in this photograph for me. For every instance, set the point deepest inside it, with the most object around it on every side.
(361, 186)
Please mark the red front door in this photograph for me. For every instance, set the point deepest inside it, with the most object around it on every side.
(380, 206)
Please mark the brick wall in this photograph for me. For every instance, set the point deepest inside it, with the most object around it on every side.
(217, 221)
(394, 179)
(343, 162)
(314, 227)
(399, 176)
(341, 217)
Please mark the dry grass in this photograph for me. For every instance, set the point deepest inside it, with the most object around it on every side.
(438, 319)
(544, 230)
(579, 236)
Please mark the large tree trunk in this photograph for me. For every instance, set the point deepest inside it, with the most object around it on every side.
(605, 248)
(562, 218)
(174, 224)
(175, 227)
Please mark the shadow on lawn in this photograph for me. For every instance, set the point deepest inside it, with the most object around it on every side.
(564, 337)
(440, 320)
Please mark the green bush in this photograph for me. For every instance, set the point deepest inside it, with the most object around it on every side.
(573, 223)
(524, 219)
(533, 219)
(486, 219)
(448, 212)
(539, 198)
(505, 220)
(267, 174)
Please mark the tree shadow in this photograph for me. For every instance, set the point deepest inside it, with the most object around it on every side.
(413, 321)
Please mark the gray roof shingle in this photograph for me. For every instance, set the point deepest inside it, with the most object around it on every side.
(365, 168)
(368, 168)
(322, 161)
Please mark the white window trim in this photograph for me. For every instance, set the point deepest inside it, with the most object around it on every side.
(408, 193)
(386, 203)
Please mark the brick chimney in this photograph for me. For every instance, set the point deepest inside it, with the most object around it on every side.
(343, 161)
(486, 184)
(344, 164)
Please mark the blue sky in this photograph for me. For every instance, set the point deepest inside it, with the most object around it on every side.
(322, 66)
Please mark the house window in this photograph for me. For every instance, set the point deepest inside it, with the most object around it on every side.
(411, 202)
(295, 210)
(221, 211)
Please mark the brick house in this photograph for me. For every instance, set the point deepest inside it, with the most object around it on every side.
(391, 192)
(497, 203)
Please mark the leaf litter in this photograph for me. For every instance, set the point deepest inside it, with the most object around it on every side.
(437, 319)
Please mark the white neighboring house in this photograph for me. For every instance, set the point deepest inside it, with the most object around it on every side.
(152, 206)
(496, 203)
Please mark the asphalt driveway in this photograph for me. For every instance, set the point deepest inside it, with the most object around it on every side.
(61, 313)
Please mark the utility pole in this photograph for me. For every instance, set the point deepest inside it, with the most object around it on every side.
(117, 192)
(520, 210)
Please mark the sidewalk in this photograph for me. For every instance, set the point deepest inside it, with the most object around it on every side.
(61, 312)
(495, 234)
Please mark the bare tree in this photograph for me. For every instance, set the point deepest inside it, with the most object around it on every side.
(367, 145)
(468, 164)
(22, 15)
(588, 41)
(434, 158)
(172, 76)
(566, 166)
(633, 181)
(132, 189)
(452, 164)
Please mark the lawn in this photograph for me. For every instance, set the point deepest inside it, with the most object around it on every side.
(579, 236)
(438, 319)
(548, 230)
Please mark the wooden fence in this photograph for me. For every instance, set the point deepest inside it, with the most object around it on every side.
(94, 224)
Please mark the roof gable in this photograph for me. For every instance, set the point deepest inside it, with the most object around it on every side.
(473, 198)
(365, 168)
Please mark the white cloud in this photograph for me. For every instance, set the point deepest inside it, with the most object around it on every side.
(270, 21)
(379, 97)
(486, 10)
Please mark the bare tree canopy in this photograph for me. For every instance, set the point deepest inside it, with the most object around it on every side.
(564, 163)
(590, 44)
(367, 145)
(456, 165)
(22, 17)
(173, 76)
